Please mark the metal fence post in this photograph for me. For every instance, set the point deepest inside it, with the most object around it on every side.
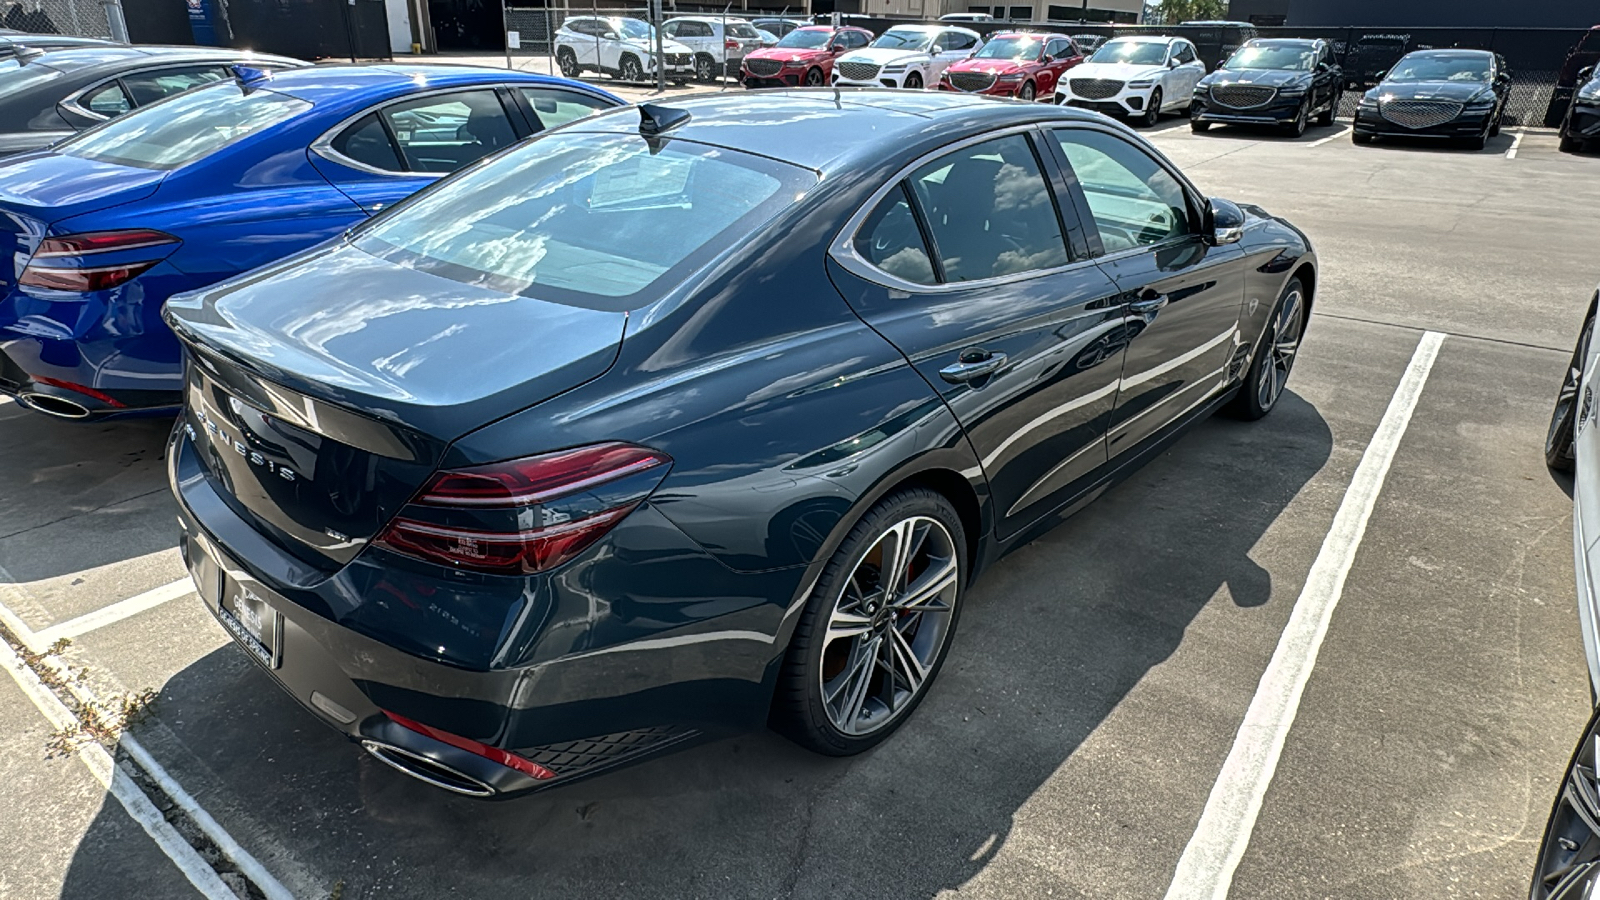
(116, 23)
(656, 21)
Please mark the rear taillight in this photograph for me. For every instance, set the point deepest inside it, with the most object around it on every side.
(525, 515)
(730, 44)
(494, 754)
(96, 261)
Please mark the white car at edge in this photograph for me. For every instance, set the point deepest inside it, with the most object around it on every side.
(618, 46)
(1135, 77)
(908, 56)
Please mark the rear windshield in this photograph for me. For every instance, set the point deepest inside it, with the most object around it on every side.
(739, 29)
(575, 216)
(185, 128)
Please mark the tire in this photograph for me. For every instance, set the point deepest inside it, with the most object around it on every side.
(1152, 112)
(1476, 143)
(1494, 125)
(1359, 138)
(815, 78)
(1026, 94)
(1274, 357)
(1325, 118)
(1565, 866)
(913, 81)
(1199, 127)
(1302, 120)
(568, 61)
(835, 696)
(1570, 144)
(1560, 449)
(629, 69)
(705, 68)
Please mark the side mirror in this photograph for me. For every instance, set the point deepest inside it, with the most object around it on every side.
(1173, 63)
(1585, 73)
(1224, 222)
(610, 35)
(1381, 75)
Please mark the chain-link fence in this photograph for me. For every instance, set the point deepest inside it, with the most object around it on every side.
(79, 18)
(705, 45)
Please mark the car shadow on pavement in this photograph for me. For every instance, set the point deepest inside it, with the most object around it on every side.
(1052, 640)
(99, 487)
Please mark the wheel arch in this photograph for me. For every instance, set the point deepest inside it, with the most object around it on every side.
(1307, 273)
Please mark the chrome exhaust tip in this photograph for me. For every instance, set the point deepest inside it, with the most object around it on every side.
(51, 405)
(429, 770)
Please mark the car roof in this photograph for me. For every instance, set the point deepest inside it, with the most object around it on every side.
(319, 84)
(844, 129)
(1144, 39)
(119, 56)
(1281, 42)
(709, 19)
(1459, 52)
(1047, 35)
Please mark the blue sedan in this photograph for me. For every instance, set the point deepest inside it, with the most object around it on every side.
(97, 232)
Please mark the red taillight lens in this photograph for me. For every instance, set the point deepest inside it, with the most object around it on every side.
(578, 494)
(494, 754)
(730, 44)
(44, 271)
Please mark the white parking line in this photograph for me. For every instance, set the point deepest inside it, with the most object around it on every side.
(1516, 144)
(34, 642)
(1331, 137)
(1205, 871)
(1178, 127)
(114, 779)
(116, 612)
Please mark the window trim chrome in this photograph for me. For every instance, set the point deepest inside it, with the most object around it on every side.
(71, 103)
(843, 250)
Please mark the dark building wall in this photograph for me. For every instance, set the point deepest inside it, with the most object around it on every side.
(1270, 12)
(1446, 13)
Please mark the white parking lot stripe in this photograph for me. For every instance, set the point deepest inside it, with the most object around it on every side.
(121, 786)
(248, 864)
(1205, 871)
(1331, 137)
(116, 612)
(1516, 144)
(1178, 127)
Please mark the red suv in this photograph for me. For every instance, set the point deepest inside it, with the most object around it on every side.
(804, 57)
(1022, 64)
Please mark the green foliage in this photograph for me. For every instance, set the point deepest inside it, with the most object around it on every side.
(1175, 11)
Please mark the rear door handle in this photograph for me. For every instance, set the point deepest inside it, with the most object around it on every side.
(1148, 301)
(971, 368)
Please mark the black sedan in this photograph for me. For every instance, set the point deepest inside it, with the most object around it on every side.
(1453, 94)
(1582, 122)
(13, 41)
(47, 96)
(1281, 82)
(680, 420)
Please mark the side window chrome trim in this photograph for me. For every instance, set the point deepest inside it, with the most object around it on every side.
(843, 249)
(72, 102)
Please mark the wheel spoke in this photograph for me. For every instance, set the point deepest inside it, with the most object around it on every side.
(925, 595)
(850, 712)
(847, 624)
(901, 545)
(907, 667)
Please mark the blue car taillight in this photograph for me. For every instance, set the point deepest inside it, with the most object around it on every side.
(96, 261)
(525, 515)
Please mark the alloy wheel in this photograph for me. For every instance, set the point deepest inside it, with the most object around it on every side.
(1026, 94)
(814, 78)
(1569, 860)
(914, 81)
(1282, 345)
(888, 625)
(568, 63)
(631, 70)
(702, 68)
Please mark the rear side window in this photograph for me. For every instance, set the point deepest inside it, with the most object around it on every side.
(185, 128)
(577, 216)
(443, 133)
(989, 211)
(366, 142)
(556, 107)
(891, 240)
(107, 100)
(740, 29)
(854, 39)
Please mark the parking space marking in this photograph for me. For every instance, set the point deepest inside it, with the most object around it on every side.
(1205, 870)
(1331, 137)
(116, 612)
(33, 641)
(1178, 127)
(111, 776)
(1516, 143)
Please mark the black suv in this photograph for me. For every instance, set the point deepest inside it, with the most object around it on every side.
(1283, 82)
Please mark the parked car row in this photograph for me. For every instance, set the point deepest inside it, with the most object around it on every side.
(468, 457)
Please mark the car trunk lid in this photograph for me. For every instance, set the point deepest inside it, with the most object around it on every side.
(38, 190)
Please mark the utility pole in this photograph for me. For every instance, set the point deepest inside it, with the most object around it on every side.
(661, 57)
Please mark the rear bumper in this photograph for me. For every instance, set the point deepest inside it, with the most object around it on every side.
(641, 644)
(1464, 126)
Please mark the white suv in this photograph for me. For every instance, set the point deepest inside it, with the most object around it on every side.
(909, 56)
(618, 46)
(1135, 76)
(720, 45)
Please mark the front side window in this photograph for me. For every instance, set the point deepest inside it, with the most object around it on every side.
(555, 107)
(1185, 53)
(853, 40)
(989, 211)
(445, 132)
(577, 216)
(185, 128)
(633, 29)
(1134, 200)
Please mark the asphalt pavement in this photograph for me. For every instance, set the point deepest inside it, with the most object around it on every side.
(1100, 676)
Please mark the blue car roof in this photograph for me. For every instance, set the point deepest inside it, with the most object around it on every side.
(838, 126)
(321, 84)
